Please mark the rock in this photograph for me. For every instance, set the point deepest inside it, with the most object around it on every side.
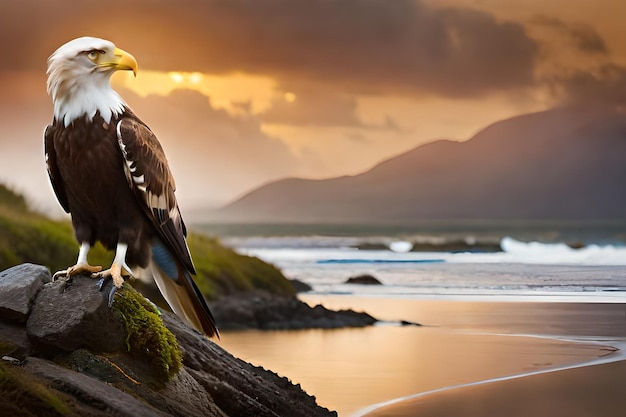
(239, 388)
(14, 341)
(167, 398)
(50, 379)
(18, 287)
(364, 280)
(75, 314)
(576, 245)
(91, 397)
(131, 325)
(460, 245)
(265, 311)
(300, 286)
(370, 246)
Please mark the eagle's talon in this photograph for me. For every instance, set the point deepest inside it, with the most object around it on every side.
(100, 283)
(111, 295)
(116, 274)
(80, 268)
(59, 274)
(83, 268)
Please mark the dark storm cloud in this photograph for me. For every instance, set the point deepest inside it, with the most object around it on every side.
(583, 37)
(593, 78)
(372, 45)
(588, 39)
(363, 46)
(607, 84)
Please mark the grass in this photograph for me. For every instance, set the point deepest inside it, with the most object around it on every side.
(26, 236)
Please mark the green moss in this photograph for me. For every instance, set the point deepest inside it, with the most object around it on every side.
(23, 395)
(147, 335)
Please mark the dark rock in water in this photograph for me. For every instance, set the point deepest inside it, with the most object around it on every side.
(576, 245)
(409, 323)
(18, 287)
(370, 246)
(300, 286)
(456, 246)
(262, 310)
(49, 377)
(74, 314)
(364, 280)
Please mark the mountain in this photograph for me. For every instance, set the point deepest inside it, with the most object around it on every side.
(567, 163)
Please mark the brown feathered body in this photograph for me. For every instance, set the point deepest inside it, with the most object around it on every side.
(92, 187)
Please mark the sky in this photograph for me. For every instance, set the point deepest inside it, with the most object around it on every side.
(244, 92)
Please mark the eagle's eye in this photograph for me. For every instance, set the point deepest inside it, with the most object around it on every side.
(93, 54)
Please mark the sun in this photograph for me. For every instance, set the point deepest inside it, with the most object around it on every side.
(177, 77)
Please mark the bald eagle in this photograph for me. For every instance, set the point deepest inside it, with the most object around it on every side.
(109, 171)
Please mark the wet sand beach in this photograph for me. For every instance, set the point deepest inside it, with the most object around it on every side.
(460, 343)
(589, 391)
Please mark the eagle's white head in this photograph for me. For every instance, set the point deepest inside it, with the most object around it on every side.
(79, 75)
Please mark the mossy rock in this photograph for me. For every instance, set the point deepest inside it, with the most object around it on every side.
(147, 336)
(23, 395)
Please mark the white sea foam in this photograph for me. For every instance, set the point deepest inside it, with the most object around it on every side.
(521, 270)
(515, 251)
(401, 246)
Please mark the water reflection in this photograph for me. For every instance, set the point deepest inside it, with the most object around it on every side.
(348, 369)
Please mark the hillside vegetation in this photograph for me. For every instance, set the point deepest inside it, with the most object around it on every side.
(27, 236)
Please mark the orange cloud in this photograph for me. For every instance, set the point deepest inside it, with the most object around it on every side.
(227, 91)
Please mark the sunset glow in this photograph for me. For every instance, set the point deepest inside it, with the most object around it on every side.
(276, 96)
(225, 91)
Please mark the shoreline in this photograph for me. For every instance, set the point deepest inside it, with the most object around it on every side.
(618, 354)
(459, 343)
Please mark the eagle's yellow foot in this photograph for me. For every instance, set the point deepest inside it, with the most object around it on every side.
(80, 268)
(115, 273)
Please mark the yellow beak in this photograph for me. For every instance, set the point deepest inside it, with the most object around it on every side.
(124, 61)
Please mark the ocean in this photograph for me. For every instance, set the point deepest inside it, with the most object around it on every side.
(474, 286)
(582, 260)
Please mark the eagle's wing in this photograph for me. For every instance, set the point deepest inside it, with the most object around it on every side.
(149, 176)
(53, 169)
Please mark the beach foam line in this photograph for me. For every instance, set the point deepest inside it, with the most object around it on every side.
(619, 354)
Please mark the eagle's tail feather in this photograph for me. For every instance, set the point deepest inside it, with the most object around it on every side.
(181, 293)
